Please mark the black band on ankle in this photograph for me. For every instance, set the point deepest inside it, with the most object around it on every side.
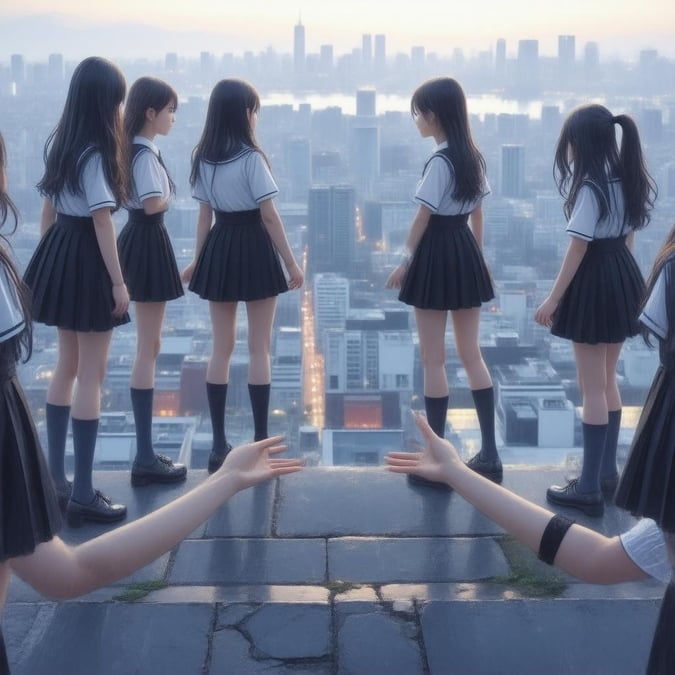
(552, 538)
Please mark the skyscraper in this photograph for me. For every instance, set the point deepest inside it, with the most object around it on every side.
(299, 48)
(18, 69)
(55, 70)
(512, 171)
(332, 222)
(367, 51)
(299, 167)
(500, 59)
(380, 60)
(527, 67)
(566, 55)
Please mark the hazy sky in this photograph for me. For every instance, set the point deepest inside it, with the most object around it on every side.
(620, 26)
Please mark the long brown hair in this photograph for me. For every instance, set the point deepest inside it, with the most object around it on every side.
(666, 254)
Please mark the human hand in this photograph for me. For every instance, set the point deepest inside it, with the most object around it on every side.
(186, 276)
(397, 276)
(296, 277)
(120, 298)
(250, 464)
(434, 463)
(545, 312)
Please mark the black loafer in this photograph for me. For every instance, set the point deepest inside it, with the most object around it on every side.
(609, 484)
(489, 469)
(163, 470)
(100, 510)
(63, 494)
(591, 503)
(216, 459)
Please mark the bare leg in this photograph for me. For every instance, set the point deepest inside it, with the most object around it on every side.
(149, 319)
(466, 325)
(431, 329)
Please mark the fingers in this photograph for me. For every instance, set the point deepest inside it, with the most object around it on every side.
(285, 462)
(403, 456)
(284, 470)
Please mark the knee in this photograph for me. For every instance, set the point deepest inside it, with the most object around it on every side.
(432, 358)
(149, 350)
(67, 367)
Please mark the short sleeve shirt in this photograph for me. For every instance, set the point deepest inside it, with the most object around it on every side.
(239, 183)
(646, 547)
(12, 321)
(96, 193)
(149, 176)
(435, 188)
(585, 223)
(655, 312)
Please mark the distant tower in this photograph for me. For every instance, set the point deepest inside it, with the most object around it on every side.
(566, 55)
(55, 68)
(417, 56)
(512, 171)
(591, 58)
(365, 157)
(500, 60)
(18, 69)
(207, 65)
(331, 231)
(171, 62)
(380, 60)
(367, 51)
(326, 59)
(527, 69)
(299, 48)
(299, 166)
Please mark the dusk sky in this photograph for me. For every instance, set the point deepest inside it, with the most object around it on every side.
(621, 27)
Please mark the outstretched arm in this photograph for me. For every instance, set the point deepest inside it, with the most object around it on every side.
(583, 553)
(60, 571)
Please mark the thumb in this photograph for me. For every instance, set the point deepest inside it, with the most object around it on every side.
(423, 426)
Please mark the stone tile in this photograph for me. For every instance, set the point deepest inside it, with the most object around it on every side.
(23, 627)
(445, 591)
(112, 638)
(247, 514)
(233, 614)
(239, 594)
(231, 653)
(349, 501)
(291, 631)
(378, 645)
(539, 636)
(250, 561)
(358, 594)
(380, 560)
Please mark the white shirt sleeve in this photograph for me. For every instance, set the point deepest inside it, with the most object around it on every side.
(260, 178)
(655, 312)
(436, 181)
(11, 318)
(148, 175)
(585, 215)
(199, 189)
(95, 186)
(646, 547)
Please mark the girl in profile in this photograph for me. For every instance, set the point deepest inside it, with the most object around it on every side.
(443, 269)
(148, 262)
(595, 300)
(75, 276)
(237, 256)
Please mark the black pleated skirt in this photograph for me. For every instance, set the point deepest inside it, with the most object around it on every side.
(447, 271)
(147, 259)
(70, 284)
(238, 261)
(647, 486)
(4, 664)
(662, 654)
(29, 511)
(602, 303)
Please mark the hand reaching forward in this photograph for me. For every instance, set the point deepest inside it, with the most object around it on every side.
(251, 464)
(434, 463)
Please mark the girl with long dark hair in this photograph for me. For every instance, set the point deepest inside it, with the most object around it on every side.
(443, 268)
(595, 300)
(237, 257)
(148, 261)
(75, 275)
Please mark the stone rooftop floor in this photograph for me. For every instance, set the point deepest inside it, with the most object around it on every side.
(338, 570)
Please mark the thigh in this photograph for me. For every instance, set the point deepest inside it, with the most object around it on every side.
(223, 323)
(260, 315)
(591, 365)
(149, 318)
(431, 325)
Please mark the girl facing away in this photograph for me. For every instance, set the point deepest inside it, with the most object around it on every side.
(443, 269)
(237, 257)
(595, 300)
(148, 261)
(29, 511)
(75, 275)
(647, 486)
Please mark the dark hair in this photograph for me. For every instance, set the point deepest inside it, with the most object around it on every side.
(665, 255)
(145, 93)
(91, 120)
(227, 128)
(444, 97)
(24, 343)
(589, 133)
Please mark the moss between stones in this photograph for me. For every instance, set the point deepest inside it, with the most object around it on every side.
(138, 591)
(336, 587)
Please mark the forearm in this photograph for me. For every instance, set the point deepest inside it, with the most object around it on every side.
(203, 226)
(573, 257)
(47, 217)
(275, 228)
(476, 222)
(107, 244)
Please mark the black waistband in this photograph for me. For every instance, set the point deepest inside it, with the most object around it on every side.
(611, 244)
(82, 221)
(449, 221)
(141, 217)
(251, 217)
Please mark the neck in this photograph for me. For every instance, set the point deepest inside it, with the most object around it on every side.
(440, 137)
(147, 132)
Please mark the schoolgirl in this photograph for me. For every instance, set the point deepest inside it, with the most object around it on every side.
(237, 258)
(647, 486)
(595, 300)
(148, 262)
(75, 276)
(443, 269)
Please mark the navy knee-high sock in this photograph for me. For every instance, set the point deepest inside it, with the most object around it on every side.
(484, 400)
(141, 402)
(57, 432)
(84, 445)
(437, 411)
(608, 465)
(217, 396)
(260, 404)
(594, 445)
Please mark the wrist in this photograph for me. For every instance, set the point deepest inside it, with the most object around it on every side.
(118, 283)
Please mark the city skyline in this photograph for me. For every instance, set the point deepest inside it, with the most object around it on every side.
(36, 29)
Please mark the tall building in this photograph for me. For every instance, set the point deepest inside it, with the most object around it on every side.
(500, 60)
(331, 231)
(365, 154)
(326, 59)
(380, 58)
(367, 51)
(527, 67)
(55, 69)
(512, 171)
(591, 58)
(417, 57)
(18, 70)
(331, 303)
(566, 55)
(171, 62)
(299, 168)
(299, 48)
(286, 392)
